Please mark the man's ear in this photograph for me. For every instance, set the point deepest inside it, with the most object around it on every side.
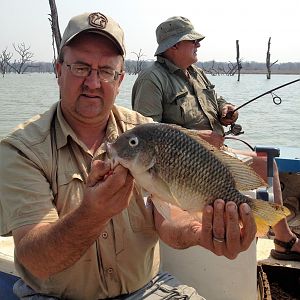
(58, 68)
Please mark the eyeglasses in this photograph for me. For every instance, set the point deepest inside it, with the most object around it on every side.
(104, 74)
(195, 42)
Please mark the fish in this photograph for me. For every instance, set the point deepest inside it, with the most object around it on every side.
(175, 166)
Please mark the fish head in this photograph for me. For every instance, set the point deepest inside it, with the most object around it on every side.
(132, 151)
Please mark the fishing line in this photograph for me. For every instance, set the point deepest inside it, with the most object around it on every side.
(236, 129)
(236, 139)
(276, 99)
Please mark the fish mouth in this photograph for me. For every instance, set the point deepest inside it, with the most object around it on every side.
(111, 155)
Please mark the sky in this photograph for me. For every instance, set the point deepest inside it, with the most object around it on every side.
(223, 22)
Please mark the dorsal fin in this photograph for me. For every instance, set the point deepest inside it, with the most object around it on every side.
(245, 177)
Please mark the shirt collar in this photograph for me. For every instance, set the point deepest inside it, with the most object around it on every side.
(168, 64)
(64, 130)
(172, 67)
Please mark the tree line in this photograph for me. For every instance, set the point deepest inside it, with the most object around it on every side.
(22, 62)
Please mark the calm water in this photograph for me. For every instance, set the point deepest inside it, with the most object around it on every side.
(22, 96)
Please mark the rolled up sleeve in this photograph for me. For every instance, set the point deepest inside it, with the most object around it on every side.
(25, 193)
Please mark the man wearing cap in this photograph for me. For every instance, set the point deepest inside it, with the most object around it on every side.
(175, 90)
(81, 230)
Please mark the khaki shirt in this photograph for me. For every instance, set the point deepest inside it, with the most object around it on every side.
(43, 171)
(164, 93)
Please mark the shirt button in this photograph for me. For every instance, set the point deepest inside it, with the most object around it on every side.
(110, 270)
(104, 235)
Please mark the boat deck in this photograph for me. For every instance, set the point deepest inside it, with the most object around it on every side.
(263, 248)
(7, 255)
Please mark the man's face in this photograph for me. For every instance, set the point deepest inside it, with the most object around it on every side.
(87, 99)
(187, 52)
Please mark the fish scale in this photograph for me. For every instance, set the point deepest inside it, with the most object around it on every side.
(176, 166)
(192, 157)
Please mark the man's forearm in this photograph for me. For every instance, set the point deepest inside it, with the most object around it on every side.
(180, 233)
(50, 248)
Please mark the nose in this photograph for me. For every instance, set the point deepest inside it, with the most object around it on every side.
(92, 81)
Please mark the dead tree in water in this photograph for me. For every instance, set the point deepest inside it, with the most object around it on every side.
(139, 62)
(56, 36)
(5, 58)
(20, 66)
(238, 61)
(268, 60)
(232, 68)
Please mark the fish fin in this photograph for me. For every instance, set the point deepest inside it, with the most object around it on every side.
(244, 176)
(163, 188)
(162, 207)
(165, 209)
(267, 214)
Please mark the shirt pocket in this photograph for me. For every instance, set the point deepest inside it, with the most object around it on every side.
(175, 108)
(182, 109)
(140, 213)
(70, 187)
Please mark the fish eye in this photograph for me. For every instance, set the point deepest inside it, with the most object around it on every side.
(133, 141)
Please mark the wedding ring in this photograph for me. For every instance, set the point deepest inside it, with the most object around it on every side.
(219, 240)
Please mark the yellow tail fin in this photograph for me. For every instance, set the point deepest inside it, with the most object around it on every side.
(267, 214)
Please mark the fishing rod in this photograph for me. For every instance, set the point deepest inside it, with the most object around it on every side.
(268, 92)
(236, 129)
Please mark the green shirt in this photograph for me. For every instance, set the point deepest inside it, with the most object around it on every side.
(164, 93)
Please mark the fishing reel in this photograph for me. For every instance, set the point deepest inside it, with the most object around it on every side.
(235, 129)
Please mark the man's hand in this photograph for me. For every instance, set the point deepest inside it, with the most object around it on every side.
(221, 231)
(106, 194)
(107, 191)
(227, 115)
(224, 229)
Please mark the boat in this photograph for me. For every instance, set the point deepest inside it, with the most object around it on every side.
(252, 275)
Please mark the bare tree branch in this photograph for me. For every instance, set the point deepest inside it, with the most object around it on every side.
(268, 60)
(55, 25)
(238, 61)
(25, 57)
(139, 62)
(5, 58)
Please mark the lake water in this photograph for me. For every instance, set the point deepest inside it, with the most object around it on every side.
(264, 123)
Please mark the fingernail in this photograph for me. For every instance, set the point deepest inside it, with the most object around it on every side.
(246, 208)
(220, 206)
(209, 209)
(231, 207)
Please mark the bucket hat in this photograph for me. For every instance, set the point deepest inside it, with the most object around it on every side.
(94, 22)
(174, 30)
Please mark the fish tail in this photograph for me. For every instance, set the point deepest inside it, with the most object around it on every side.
(267, 214)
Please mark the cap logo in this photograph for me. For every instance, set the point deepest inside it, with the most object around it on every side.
(98, 20)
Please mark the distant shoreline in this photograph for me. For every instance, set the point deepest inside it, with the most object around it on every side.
(209, 67)
(283, 72)
(258, 72)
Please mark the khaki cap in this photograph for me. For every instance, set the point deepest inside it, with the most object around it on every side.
(174, 30)
(94, 22)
